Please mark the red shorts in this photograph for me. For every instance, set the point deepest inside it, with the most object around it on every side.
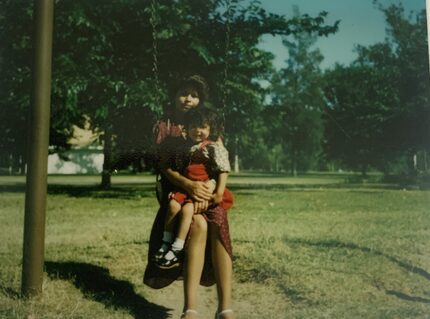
(197, 172)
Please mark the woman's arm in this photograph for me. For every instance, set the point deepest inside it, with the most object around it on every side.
(168, 152)
(199, 191)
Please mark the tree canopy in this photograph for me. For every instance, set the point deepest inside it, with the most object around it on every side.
(380, 103)
(115, 64)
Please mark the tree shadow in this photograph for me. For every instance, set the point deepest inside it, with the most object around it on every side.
(96, 283)
(403, 296)
(95, 191)
(400, 263)
(337, 244)
(10, 292)
(367, 188)
(123, 191)
(12, 188)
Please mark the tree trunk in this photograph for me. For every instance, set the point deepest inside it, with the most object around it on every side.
(10, 164)
(294, 164)
(236, 155)
(236, 163)
(364, 170)
(107, 162)
(425, 161)
(22, 165)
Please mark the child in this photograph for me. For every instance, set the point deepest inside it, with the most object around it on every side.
(205, 160)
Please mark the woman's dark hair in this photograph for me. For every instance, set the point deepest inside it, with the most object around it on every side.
(194, 81)
(201, 116)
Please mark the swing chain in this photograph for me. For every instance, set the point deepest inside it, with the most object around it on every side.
(226, 54)
(153, 22)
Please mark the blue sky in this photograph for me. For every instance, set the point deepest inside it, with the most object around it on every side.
(361, 23)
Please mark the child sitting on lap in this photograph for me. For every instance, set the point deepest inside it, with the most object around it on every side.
(206, 160)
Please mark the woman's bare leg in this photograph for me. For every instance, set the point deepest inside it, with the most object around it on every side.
(194, 261)
(223, 268)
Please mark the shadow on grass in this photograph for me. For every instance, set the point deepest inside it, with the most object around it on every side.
(10, 292)
(264, 274)
(337, 244)
(96, 283)
(124, 192)
(406, 297)
(13, 188)
(368, 188)
(402, 264)
(129, 191)
(94, 191)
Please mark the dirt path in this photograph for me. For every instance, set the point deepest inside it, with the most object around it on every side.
(250, 301)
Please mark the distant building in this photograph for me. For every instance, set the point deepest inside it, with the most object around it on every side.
(84, 157)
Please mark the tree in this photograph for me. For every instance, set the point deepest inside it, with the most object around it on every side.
(359, 103)
(15, 82)
(378, 107)
(408, 38)
(297, 103)
(104, 53)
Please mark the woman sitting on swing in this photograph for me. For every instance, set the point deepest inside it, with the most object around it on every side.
(208, 251)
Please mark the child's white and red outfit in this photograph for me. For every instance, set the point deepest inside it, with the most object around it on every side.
(206, 161)
(171, 141)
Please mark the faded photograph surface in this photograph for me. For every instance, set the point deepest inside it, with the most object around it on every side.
(214, 159)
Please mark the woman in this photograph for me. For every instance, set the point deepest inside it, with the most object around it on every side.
(207, 256)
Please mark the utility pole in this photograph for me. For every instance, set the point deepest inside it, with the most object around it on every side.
(38, 142)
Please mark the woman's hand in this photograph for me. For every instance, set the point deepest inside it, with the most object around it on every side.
(201, 207)
(200, 191)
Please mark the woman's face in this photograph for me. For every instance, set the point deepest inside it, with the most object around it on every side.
(186, 99)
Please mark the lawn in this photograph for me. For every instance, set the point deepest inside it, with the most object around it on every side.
(315, 249)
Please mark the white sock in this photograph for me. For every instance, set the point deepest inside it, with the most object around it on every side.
(169, 255)
(178, 244)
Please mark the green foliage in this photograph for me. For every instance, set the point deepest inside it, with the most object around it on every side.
(15, 84)
(360, 101)
(297, 104)
(379, 106)
(104, 54)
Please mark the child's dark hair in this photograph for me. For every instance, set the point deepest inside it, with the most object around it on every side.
(201, 116)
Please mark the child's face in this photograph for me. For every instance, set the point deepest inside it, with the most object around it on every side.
(199, 134)
(186, 99)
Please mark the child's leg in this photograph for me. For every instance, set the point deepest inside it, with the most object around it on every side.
(174, 254)
(185, 219)
(173, 209)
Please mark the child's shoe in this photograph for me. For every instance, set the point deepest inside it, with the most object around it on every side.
(170, 259)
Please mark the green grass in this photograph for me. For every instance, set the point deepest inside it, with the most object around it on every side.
(300, 252)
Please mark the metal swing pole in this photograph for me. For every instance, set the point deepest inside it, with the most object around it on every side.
(38, 143)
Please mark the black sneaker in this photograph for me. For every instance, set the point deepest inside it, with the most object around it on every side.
(164, 263)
